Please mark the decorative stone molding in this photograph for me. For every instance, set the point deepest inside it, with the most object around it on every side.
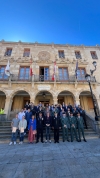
(44, 56)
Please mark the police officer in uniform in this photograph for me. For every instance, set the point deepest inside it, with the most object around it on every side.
(73, 129)
(80, 124)
(56, 123)
(65, 126)
(40, 125)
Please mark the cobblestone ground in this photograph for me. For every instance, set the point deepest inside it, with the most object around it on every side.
(44, 160)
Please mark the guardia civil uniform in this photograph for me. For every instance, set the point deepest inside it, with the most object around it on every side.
(80, 125)
(73, 123)
(65, 126)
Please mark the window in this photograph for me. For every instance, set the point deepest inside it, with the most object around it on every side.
(24, 73)
(93, 54)
(3, 76)
(26, 53)
(78, 55)
(8, 52)
(81, 74)
(63, 74)
(61, 54)
(44, 73)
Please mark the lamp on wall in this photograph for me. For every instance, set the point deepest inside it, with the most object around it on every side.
(88, 78)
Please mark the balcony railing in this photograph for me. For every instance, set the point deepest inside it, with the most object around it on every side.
(21, 78)
(43, 78)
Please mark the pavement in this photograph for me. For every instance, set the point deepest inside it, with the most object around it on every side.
(45, 160)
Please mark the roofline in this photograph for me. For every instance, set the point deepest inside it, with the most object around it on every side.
(47, 44)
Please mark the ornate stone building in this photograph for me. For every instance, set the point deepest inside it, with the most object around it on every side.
(40, 87)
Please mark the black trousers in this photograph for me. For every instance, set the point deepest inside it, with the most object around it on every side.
(40, 132)
(56, 135)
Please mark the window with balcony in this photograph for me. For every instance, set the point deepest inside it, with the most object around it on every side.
(63, 74)
(93, 55)
(8, 52)
(24, 73)
(78, 55)
(26, 52)
(44, 74)
(81, 74)
(61, 54)
(3, 76)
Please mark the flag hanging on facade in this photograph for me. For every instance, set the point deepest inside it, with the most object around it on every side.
(54, 74)
(76, 70)
(7, 69)
(54, 67)
(31, 71)
(53, 77)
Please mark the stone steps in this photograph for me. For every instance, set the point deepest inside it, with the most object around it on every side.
(5, 133)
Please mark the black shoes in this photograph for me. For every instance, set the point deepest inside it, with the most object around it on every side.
(85, 140)
(68, 140)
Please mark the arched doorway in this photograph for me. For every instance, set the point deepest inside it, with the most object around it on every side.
(66, 97)
(19, 100)
(2, 99)
(87, 103)
(44, 97)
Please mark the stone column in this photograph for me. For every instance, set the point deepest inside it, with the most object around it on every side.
(8, 104)
(55, 100)
(32, 99)
(77, 101)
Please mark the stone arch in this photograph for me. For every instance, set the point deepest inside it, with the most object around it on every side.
(88, 90)
(18, 90)
(19, 98)
(66, 96)
(36, 93)
(44, 96)
(87, 102)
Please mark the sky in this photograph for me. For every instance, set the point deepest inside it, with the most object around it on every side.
(75, 22)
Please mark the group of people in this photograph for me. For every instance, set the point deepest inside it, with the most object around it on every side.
(36, 119)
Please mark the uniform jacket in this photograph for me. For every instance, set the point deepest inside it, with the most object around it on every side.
(32, 123)
(56, 122)
(40, 123)
(65, 121)
(80, 122)
(72, 121)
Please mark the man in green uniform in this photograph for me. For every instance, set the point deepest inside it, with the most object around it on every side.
(73, 122)
(65, 126)
(80, 124)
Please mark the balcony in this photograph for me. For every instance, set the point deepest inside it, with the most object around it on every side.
(42, 78)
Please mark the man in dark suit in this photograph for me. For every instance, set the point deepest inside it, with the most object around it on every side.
(75, 112)
(40, 125)
(56, 123)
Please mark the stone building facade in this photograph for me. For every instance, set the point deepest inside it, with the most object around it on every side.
(41, 86)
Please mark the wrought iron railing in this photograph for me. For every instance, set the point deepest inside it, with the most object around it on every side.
(44, 78)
